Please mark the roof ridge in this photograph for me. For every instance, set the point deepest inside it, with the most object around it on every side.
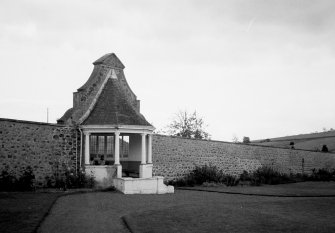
(110, 59)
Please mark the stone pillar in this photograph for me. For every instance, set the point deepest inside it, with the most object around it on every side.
(149, 148)
(145, 169)
(117, 148)
(117, 155)
(87, 148)
(143, 154)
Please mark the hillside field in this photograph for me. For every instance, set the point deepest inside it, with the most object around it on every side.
(313, 141)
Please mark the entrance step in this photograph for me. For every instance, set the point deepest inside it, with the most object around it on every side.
(153, 185)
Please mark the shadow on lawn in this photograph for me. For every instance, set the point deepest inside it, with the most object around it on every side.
(25, 211)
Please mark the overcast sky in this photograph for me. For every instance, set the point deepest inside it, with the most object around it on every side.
(258, 68)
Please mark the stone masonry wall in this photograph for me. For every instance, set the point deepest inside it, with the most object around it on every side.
(47, 148)
(175, 157)
(84, 97)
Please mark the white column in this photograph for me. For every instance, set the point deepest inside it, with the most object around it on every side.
(117, 148)
(87, 148)
(143, 155)
(149, 148)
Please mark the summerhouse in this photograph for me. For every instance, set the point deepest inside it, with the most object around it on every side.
(116, 139)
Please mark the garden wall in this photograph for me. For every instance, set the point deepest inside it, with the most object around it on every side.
(174, 157)
(47, 148)
(51, 148)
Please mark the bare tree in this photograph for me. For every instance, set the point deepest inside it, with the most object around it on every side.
(235, 139)
(188, 126)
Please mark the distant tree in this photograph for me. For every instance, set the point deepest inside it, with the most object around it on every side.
(324, 148)
(188, 125)
(292, 145)
(235, 139)
(246, 140)
(324, 129)
(316, 149)
(331, 129)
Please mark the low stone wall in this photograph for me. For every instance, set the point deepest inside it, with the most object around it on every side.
(47, 148)
(175, 157)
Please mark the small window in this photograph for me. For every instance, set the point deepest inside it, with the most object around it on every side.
(101, 148)
(124, 146)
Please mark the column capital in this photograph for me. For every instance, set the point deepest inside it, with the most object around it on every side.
(86, 133)
(144, 134)
(117, 133)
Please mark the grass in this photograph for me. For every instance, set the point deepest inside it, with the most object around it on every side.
(195, 211)
(312, 189)
(304, 142)
(22, 212)
(237, 216)
(302, 136)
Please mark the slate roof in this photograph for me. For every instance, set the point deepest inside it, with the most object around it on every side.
(110, 59)
(113, 108)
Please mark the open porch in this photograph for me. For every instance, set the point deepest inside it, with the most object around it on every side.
(122, 157)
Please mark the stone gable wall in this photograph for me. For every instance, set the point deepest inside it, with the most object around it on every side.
(47, 148)
(174, 157)
(83, 98)
(131, 97)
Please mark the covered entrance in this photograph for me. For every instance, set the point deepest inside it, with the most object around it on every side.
(122, 156)
(129, 151)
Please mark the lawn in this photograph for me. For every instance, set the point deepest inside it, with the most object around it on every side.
(194, 211)
(301, 189)
(232, 215)
(22, 212)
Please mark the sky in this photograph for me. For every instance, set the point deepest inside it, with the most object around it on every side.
(257, 68)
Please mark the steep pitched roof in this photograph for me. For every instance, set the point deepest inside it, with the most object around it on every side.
(111, 60)
(113, 108)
